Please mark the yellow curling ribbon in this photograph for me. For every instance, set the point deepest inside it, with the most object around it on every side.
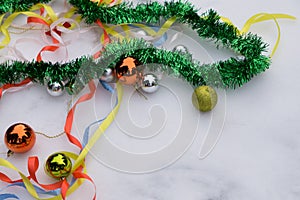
(106, 2)
(4, 27)
(260, 17)
(161, 31)
(99, 132)
(126, 29)
(264, 17)
(1, 18)
(111, 29)
(50, 11)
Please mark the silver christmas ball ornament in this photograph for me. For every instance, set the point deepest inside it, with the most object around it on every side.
(108, 75)
(180, 48)
(149, 83)
(55, 88)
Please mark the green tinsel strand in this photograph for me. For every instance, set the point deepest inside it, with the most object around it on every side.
(208, 25)
(12, 72)
(230, 73)
(12, 6)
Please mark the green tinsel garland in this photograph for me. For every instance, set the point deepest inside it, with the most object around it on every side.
(233, 72)
(12, 6)
(207, 25)
(83, 69)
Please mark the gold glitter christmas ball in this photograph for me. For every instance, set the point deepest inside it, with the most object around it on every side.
(204, 98)
(58, 165)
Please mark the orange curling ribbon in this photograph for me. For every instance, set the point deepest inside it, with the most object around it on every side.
(70, 116)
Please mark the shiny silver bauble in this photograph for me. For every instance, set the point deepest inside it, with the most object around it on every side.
(55, 88)
(149, 83)
(108, 75)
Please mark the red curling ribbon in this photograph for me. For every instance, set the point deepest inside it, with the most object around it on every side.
(37, 20)
(6, 179)
(54, 40)
(11, 85)
(106, 39)
(46, 48)
(42, 11)
(79, 174)
(33, 165)
(64, 188)
(70, 117)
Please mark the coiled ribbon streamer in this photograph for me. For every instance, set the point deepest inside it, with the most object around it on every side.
(62, 186)
(260, 17)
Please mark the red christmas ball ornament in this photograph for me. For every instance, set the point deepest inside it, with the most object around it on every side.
(129, 71)
(19, 138)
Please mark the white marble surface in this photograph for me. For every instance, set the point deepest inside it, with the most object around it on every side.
(256, 158)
